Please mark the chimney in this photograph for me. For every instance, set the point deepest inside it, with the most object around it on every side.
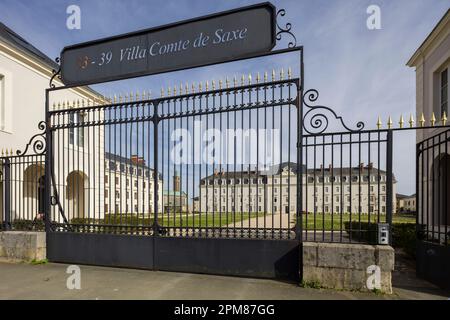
(134, 159)
(371, 166)
(361, 165)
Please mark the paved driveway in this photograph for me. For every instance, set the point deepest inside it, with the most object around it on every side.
(25, 281)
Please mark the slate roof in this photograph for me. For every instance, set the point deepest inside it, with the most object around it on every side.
(13, 39)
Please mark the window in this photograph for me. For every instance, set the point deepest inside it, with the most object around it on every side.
(106, 179)
(2, 103)
(444, 92)
(76, 134)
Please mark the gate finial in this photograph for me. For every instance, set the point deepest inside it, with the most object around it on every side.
(389, 123)
(379, 123)
(401, 122)
(411, 121)
(433, 119)
(289, 73)
(444, 118)
(282, 74)
(265, 76)
(258, 78)
(422, 120)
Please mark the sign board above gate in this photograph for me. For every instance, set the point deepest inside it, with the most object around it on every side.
(216, 38)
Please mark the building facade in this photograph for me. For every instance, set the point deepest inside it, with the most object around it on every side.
(352, 190)
(406, 204)
(130, 186)
(431, 62)
(25, 74)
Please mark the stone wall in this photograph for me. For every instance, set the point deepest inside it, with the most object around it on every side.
(24, 246)
(345, 266)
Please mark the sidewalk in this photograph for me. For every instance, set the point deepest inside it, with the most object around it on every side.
(25, 281)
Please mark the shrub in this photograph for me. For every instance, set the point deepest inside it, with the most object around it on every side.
(28, 225)
(403, 234)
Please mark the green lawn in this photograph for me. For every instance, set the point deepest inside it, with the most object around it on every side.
(320, 221)
(329, 222)
(205, 220)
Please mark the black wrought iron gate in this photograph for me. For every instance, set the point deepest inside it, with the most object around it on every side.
(200, 179)
(433, 208)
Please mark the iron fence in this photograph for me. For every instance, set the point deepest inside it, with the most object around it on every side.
(433, 174)
(214, 160)
(22, 188)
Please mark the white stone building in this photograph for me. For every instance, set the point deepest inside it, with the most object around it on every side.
(129, 186)
(25, 74)
(432, 65)
(354, 190)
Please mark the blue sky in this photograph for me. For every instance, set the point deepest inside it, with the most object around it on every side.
(360, 73)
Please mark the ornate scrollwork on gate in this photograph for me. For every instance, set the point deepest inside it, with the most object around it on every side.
(316, 121)
(55, 74)
(37, 143)
(287, 29)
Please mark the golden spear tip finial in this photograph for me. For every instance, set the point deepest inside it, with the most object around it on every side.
(411, 121)
(422, 120)
(227, 83)
(258, 78)
(401, 122)
(193, 87)
(200, 87)
(444, 118)
(242, 80)
(162, 92)
(289, 73)
(433, 119)
(174, 90)
(249, 78)
(213, 84)
(207, 85)
(273, 74)
(168, 91)
(265, 76)
(235, 81)
(379, 123)
(220, 84)
(389, 123)
(187, 88)
(282, 74)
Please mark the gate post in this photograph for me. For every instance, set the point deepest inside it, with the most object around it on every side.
(47, 170)
(7, 193)
(156, 168)
(389, 182)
